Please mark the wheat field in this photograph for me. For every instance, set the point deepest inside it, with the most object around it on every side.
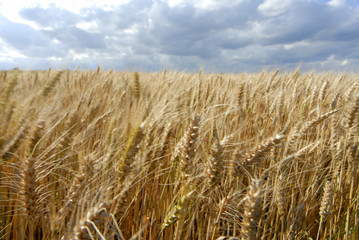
(174, 155)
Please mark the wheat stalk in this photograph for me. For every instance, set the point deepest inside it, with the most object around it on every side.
(293, 230)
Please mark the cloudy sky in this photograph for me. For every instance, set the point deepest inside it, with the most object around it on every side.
(186, 35)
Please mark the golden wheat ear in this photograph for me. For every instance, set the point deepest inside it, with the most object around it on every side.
(240, 96)
(124, 193)
(33, 148)
(215, 167)
(74, 192)
(32, 196)
(9, 88)
(187, 146)
(10, 148)
(261, 150)
(136, 85)
(323, 92)
(352, 113)
(51, 84)
(327, 201)
(127, 158)
(306, 127)
(92, 224)
(252, 210)
(180, 208)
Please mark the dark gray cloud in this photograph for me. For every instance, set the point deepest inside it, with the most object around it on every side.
(188, 31)
(307, 20)
(150, 34)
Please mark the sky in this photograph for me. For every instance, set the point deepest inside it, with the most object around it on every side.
(184, 35)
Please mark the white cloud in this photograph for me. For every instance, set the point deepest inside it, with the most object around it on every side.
(337, 3)
(7, 59)
(10, 9)
(204, 4)
(58, 59)
(344, 62)
(131, 30)
(89, 26)
(78, 56)
(9, 52)
(296, 44)
(175, 3)
(274, 7)
(214, 4)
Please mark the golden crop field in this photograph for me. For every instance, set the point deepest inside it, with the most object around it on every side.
(173, 155)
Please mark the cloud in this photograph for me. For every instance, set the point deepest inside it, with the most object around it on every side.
(51, 17)
(73, 37)
(20, 36)
(239, 35)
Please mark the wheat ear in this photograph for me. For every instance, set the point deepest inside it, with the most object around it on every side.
(252, 210)
(215, 168)
(136, 85)
(188, 146)
(51, 84)
(90, 224)
(352, 114)
(326, 205)
(313, 96)
(7, 91)
(335, 100)
(30, 188)
(351, 91)
(260, 151)
(78, 184)
(280, 105)
(65, 141)
(295, 74)
(327, 200)
(180, 208)
(281, 197)
(12, 146)
(30, 182)
(240, 96)
(308, 125)
(323, 92)
(130, 151)
(269, 84)
(33, 149)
